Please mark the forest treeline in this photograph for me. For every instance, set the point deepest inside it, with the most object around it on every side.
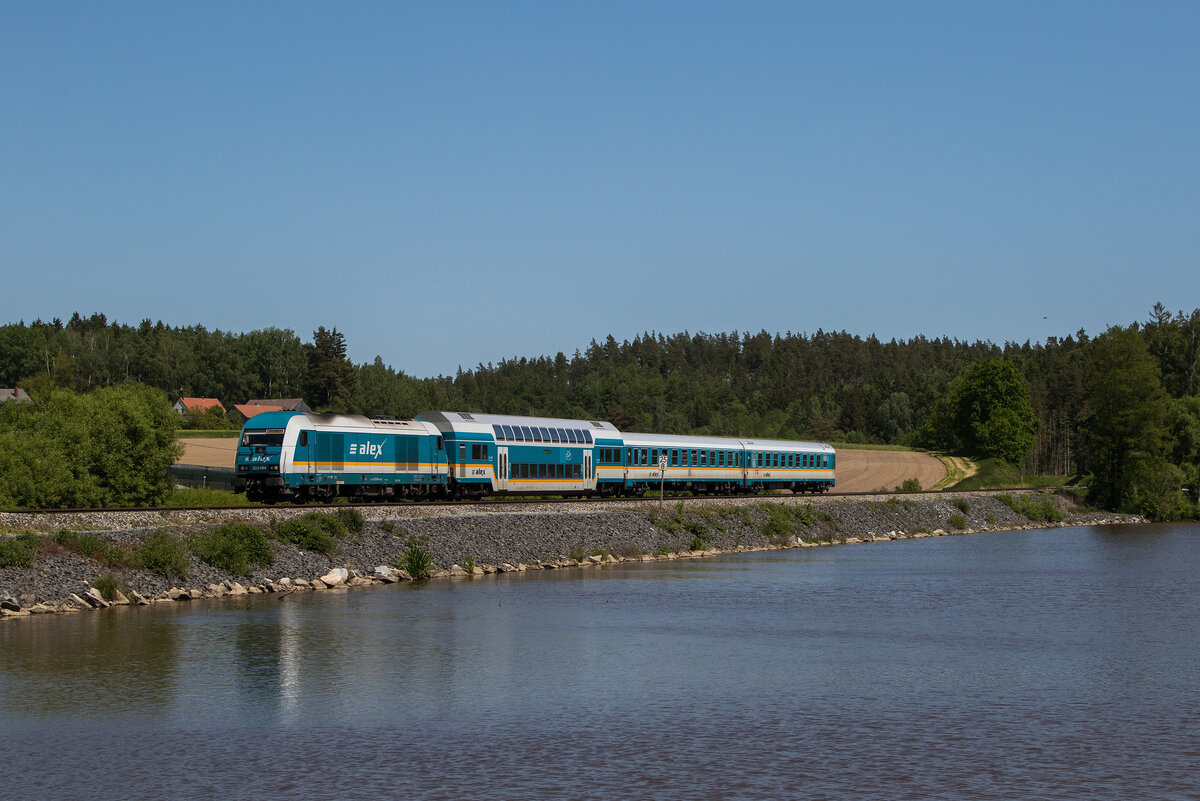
(1062, 407)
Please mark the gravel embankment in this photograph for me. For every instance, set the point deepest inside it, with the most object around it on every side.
(495, 538)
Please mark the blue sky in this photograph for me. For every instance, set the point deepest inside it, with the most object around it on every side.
(460, 182)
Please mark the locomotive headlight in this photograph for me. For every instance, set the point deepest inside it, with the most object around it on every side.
(274, 468)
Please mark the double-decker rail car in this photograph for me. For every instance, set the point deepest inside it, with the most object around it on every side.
(301, 456)
(508, 454)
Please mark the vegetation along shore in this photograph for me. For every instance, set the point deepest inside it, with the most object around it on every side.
(71, 562)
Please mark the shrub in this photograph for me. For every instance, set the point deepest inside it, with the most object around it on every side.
(19, 551)
(109, 585)
(468, 563)
(162, 554)
(351, 518)
(415, 560)
(909, 485)
(93, 547)
(388, 526)
(957, 521)
(235, 547)
(312, 532)
(963, 505)
(1042, 510)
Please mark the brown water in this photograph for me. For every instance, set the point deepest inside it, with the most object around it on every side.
(1034, 665)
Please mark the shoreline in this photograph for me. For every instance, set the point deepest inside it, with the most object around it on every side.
(497, 540)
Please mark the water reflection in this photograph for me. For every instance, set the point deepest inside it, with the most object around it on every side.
(89, 664)
(991, 666)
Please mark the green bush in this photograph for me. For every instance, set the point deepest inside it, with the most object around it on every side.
(957, 522)
(109, 585)
(19, 551)
(93, 547)
(109, 447)
(415, 560)
(351, 518)
(784, 521)
(235, 547)
(1042, 510)
(963, 505)
(314, 531)
(162, 554)
(910, 485)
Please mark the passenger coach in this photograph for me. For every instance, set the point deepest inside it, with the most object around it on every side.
(725, 464)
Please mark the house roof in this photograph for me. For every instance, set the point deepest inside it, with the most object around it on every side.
(248, 410)
(286, 404)
(200, 404)
(13, 393)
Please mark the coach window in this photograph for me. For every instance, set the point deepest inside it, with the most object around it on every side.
(654, 456)
(587, 436)
(499, 431)
(537, 436)
(508, 433)
(462, 452)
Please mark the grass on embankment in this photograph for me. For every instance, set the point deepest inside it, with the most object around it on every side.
(184, 496)
(999, 474)
(862, 446)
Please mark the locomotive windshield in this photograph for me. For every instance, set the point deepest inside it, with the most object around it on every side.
(268, 437)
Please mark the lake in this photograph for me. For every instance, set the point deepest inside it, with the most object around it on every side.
(1036, 665)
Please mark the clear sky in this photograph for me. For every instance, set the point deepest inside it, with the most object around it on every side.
(454, 183)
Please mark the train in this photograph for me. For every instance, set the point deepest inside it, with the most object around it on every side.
(305, 456)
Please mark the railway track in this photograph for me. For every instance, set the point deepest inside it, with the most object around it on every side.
(517, 501)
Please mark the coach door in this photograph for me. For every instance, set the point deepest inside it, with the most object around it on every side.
(501, 467)
(589, 480)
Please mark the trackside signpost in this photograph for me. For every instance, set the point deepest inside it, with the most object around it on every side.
(662, 477)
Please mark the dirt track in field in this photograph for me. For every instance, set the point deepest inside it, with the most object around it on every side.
(864, 471)
(857, 471)
(218, 452)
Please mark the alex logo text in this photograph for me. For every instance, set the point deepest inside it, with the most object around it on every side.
(372, 449)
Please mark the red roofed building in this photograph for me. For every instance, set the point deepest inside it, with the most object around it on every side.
(197, 405)
(241, 412)
(281, 404)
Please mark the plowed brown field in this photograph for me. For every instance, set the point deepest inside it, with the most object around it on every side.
(857, 471)
(864, 471)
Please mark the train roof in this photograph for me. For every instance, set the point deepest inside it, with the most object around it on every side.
(339, 421)
(464, 420)
(634, 439)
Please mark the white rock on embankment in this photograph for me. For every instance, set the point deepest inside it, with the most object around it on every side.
(496, 539)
